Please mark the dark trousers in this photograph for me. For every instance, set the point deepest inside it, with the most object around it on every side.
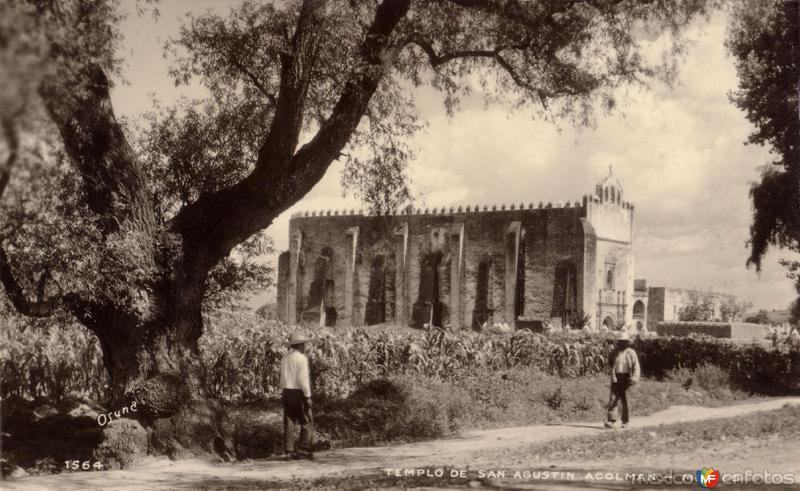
(296, 412)
(619, 395)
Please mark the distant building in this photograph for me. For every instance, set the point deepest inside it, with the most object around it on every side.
(665, 304)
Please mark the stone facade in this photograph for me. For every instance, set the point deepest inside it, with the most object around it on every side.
(519, 264)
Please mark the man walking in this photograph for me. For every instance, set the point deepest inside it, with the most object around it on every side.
(625, 372)
(296, 396)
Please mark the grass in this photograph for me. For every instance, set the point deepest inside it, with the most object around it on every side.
(675, 438)
(398, 409)
(409, 408)
(528, 397)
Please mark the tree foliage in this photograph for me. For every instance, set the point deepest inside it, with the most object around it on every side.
(764, 39)
(759, 317)
(731, 310)
(700, 307)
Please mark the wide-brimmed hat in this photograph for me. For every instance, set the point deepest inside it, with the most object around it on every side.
(623, 336)
(298, 338)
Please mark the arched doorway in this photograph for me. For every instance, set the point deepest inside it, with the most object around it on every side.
(608, 323)
(639, 314)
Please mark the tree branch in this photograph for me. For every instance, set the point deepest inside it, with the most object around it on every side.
(296, 68)
(253, 79)
(95, 142)
(436, 59)
(10, 134)
(217, 222)
(495, 54)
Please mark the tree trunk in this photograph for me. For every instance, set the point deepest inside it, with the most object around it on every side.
(152, 358)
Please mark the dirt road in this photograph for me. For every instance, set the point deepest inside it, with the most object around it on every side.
(459, 452)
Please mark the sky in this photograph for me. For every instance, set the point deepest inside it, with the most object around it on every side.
(679, 154)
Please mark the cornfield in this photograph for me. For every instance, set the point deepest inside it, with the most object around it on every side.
(243, 361)
(242, 353)
(50, 362)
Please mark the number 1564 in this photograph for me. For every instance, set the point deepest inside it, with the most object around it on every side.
(86, 465)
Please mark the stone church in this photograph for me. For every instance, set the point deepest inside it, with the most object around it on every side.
(524, 265)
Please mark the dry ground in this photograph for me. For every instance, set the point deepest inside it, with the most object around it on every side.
(472, 452)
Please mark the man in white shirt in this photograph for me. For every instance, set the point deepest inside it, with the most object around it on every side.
(625, 372)
(296, 395)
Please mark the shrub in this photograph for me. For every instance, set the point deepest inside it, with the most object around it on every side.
(753, 367)
(714, 380)
(555, 398)
(257, 433)
(394, 409)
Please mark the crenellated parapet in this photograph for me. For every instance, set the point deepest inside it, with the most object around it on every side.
(451, 210)
(462, 209)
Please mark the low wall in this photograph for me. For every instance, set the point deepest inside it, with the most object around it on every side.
(727, 330)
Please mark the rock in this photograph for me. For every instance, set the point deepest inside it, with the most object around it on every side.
(501, 328)
(321, 443)
(200, 428)
(44, 411)
(17, 473)
(83, 410)
(124, 442)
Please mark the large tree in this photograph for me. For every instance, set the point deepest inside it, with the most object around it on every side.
(150, 216)
(764, 38)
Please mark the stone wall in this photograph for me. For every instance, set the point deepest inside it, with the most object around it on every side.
(462, 267)
(523, 250)
(726, 330)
